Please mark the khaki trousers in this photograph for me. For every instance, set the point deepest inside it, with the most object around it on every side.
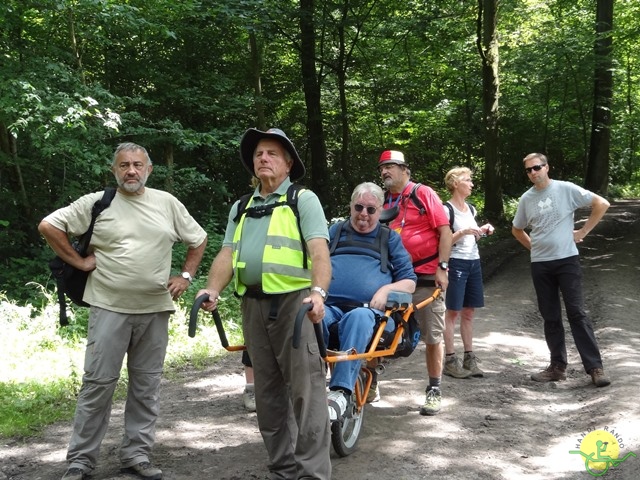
(290, 388)
(144, 338)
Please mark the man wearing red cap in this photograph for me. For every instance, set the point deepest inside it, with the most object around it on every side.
(424, 227)
(277, 264)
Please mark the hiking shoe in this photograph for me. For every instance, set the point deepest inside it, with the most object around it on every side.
(453, 368)
(337, 400)
(432, 403)
(599, 378)
(144, 470)
(374, 393)
(74, 474)
(249, 399)
(471, 363)
(552, 373)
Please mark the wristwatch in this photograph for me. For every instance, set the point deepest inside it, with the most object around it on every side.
(321, 291)
(186, 275)
(443, 266)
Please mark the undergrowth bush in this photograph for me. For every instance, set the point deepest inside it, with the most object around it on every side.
(42, 363)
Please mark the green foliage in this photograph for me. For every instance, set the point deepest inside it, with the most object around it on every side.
(43, 363)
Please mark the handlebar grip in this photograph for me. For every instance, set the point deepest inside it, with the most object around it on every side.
(193, 316)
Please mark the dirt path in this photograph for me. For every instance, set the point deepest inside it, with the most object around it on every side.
(503, 426)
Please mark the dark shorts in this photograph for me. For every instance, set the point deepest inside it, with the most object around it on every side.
(465, 285)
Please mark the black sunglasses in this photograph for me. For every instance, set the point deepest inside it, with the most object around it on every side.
(370, 210)
(537, 168)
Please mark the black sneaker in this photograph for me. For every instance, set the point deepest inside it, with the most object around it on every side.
(144, 470)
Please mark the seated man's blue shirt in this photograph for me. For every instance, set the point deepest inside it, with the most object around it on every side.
(356, 277)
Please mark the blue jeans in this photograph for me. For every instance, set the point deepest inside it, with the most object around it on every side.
(564, 276)
(355, 329)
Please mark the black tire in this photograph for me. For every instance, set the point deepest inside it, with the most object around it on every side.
(345, 433)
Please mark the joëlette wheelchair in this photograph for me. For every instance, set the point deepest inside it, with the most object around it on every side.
(399, 309)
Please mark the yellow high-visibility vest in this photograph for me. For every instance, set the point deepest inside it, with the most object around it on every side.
(283, 255)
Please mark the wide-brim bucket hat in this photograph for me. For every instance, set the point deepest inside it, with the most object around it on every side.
(250, 140)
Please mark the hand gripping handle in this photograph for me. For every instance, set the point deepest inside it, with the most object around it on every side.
(317, 327)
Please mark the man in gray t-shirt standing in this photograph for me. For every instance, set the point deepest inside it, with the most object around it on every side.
(547, 210)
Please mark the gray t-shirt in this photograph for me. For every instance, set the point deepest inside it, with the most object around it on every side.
(312, 223)
(132, 241)
(549, 215)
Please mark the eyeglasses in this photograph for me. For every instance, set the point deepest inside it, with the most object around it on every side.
(370, 210)
(537, 168)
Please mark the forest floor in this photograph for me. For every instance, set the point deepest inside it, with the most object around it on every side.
(502, 426)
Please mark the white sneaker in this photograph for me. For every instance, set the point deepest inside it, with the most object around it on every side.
(249, 399)
(337, 404)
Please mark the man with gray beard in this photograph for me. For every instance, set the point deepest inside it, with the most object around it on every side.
(130, 290)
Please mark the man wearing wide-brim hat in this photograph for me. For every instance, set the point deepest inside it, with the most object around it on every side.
(277, 265)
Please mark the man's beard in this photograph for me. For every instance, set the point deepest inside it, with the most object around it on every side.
(132, 187)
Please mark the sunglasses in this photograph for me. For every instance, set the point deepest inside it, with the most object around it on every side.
(537, 168)
(370, 210)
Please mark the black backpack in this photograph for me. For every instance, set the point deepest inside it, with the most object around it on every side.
(69, 280)
(411, 333)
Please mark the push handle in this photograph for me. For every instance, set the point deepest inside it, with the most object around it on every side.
(193, 320)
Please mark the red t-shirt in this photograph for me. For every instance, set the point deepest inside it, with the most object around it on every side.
(419, 232)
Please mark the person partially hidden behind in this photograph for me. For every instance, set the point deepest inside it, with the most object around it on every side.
(547, 209)
(365, 268)
(131, 294)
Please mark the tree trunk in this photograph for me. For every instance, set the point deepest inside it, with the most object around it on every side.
(256, 72)
(487, 43)
(597, 175)
(167, 154)
(311, 87)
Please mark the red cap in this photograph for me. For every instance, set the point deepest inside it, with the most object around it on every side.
(391, 156)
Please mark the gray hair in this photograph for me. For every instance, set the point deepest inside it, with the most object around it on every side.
(368, 187)
(130, 147)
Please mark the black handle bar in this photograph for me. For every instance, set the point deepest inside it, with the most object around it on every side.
(317, 327)
(193, 320)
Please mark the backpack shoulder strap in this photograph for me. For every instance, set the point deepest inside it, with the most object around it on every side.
(336, 237)
(97, 209)
(413, 195)
(293, 192)
(384, 234)
(452, 215)
(242, 206)
(104, 202)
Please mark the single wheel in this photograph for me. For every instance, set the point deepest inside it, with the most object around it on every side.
(345, 433)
